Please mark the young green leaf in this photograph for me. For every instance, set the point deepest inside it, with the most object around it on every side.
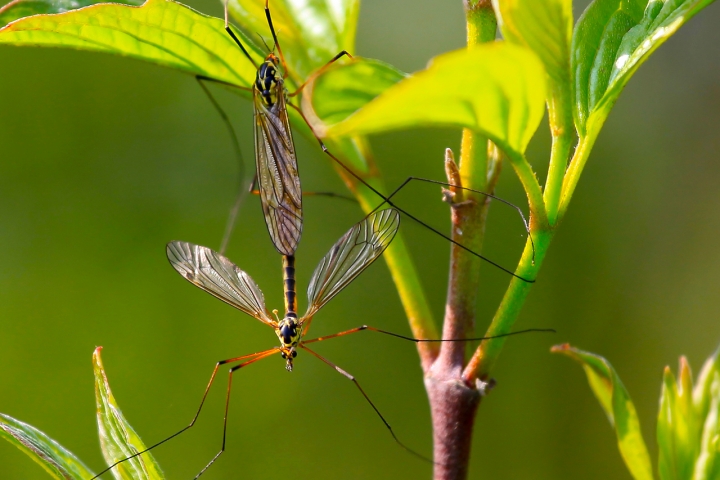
(161, 32)
(616, 402)
(544, 27)
(53, 457)
(341, 90)
(117, 438)
(612, 39)
(497, 89)
(688, 429)
(310, 33)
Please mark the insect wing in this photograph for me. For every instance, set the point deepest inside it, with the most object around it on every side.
(352, 254)
(219, 277)
(276, 163)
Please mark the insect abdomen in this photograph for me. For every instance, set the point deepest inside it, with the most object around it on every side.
(289, 284)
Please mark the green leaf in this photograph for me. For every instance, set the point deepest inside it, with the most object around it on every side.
(707, 465)
(341, 90)
(117, 438)
(24, 8)
(161, 32)
(497, 89)
(53, 457)
(545, 27)
(616, 402)
(310, 33)
(688, 431)
(612, 39)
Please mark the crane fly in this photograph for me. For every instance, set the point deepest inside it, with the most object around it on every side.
(277, 178)
(276, 163)
(349, 257)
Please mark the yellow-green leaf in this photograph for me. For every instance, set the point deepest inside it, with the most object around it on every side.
(545, 27)
(24, 8)
(341, 90)
(497, 89)
(117, 438)
(310, 32)
(161, 32)
(616, 402)
(53, 457)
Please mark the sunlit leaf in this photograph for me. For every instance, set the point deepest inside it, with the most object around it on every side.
(117, 438)
(343, 89)
(612, 39)
(688, 430)
(24, 8)
(53, 457)
(161, 32)
(497, 89)
(616, 402)
(310, 32)
(545, 27)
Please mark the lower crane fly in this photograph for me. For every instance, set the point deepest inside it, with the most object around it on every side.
(349, 256)
(214, 273)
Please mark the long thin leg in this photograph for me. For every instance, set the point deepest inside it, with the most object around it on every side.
(319, 71)
(419, 340)
(253, 356)
(260, 356)
(232, 34)
(488, 195)
(242, 192)
(392, 204)
(352, 379)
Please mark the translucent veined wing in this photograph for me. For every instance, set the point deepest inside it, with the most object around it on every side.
(219, 277)
(350, 255)
(277, 172)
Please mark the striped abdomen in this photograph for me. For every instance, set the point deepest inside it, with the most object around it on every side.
(289, 285)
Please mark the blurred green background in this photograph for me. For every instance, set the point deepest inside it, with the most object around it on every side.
(105, 160)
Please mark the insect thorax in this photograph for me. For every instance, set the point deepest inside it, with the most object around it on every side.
(288, 331)
(267, 81)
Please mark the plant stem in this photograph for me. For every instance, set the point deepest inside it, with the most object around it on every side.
(560, 119)
(487, 354)
(453, 404)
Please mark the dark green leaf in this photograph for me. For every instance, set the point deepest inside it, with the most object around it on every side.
(52, 456)
(612, 39)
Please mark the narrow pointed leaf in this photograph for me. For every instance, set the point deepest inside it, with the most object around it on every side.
(616, 402)
(161, 32)
(707, 465)
(53, 457)
(497, 89)
(545, 27)
(310, 33)
(117, 438)
(612, 39)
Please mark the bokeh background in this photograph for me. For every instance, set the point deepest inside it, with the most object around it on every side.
(104, 160)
